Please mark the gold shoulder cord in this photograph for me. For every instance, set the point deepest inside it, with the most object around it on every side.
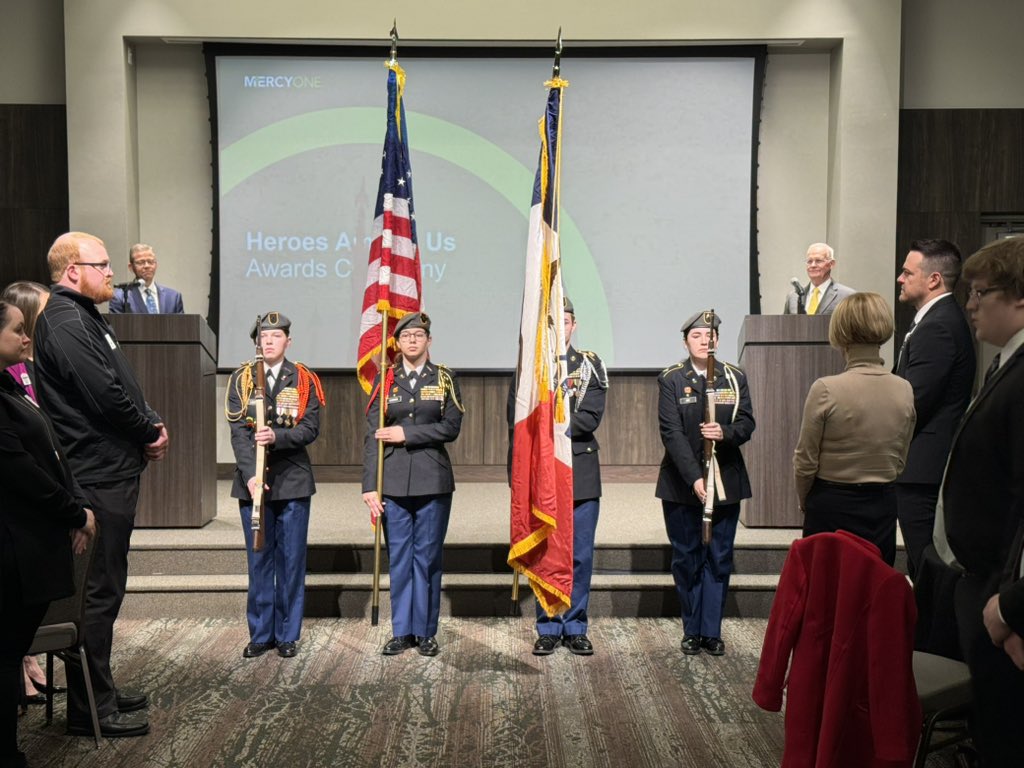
(448, 385)
(730, 376)
(243, 388)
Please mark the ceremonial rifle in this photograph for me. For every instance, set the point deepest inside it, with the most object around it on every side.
(710, 465)
(259, 404)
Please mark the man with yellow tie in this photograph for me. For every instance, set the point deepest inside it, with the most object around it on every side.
(822, 294)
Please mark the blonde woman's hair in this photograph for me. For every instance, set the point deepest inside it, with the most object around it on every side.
(861, 318)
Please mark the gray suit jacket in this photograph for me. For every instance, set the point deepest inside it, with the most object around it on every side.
(835, 293)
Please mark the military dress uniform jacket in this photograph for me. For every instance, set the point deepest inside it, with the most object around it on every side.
(431, 415)
(680, 413)
(289, 473)
(587, 387)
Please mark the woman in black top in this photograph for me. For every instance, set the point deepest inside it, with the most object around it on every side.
(42, 521)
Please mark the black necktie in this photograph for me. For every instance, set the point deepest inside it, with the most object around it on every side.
(903, 347)
(270, 381)
(991, 369)
(412, 380)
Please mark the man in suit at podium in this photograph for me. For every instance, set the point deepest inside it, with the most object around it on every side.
(937, 358)
(822, 294)
(143, 296)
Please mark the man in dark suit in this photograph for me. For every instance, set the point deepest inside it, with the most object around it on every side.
(277, 572)
(109, 433)
(822, 294)
(937, 358)
(586, 387)
(701, 572)
(979, 524)
(144, 296)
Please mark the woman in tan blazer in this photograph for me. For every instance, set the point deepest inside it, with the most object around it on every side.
(856, 432)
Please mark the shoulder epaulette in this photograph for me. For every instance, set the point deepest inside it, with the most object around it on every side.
(445, 376)
(671, 368)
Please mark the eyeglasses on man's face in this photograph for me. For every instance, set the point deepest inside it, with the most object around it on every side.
(412, 336)
(979, 293)
(102, 266)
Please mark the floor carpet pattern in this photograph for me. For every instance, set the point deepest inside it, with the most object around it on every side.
(484, 701)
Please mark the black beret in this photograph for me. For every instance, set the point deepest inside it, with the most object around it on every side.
(272, 321)
(413, 320)
(704, 319)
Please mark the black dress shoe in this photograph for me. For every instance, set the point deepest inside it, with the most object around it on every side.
(44, 688)
(286, 650)
(252, 650)
(427, 646)
(128, 701)
(113, 726)
(713, 645)
(545, 645)
(397, 645)
(691, 645)
(578, 644)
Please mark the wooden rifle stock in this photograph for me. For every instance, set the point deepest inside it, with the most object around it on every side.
(710, 480)
(260, 406)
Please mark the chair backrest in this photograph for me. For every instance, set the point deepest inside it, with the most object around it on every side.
(71, 609)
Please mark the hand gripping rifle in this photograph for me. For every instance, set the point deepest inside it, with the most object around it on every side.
(259, 405)
(710, 465)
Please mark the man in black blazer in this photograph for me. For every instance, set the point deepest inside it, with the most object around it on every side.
(937, 358)
(277, 572)
(979, 525)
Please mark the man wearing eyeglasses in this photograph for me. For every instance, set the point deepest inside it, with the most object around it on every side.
(109, 433)
(937, 358)
(822, 294)
(144, 296)
(979, 524)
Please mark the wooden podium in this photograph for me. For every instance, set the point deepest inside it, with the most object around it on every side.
(174, 357)
(782, 355)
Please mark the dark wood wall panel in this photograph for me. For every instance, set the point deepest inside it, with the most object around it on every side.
(33, 188)
(955, 165)
(628, 434)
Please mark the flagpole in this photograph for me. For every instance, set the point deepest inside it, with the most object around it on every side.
(515, 609)
(375, 603)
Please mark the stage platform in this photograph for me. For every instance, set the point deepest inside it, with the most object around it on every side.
(200, 572)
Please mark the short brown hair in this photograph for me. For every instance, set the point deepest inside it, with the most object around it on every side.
(24, 295)
(1001, 263)
(64, 252)
(861, 318)
(138, 248)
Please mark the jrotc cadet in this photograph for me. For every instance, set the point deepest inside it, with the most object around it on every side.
(422, 412)
(277, 572)
(702, 572)
(586, 387)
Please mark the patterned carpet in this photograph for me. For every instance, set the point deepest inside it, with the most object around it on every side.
(485, 701)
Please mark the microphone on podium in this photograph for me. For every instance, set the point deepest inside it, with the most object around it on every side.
(801, 294)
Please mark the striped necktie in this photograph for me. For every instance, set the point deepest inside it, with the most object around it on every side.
(150, 300)
(991, 369)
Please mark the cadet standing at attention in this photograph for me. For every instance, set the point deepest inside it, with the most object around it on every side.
(422, 412)
(277, 571)
(701, 572)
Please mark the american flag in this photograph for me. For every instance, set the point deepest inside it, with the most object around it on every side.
(542, 504)
(394, 282)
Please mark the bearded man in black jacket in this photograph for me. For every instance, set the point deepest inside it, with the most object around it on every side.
(109, 433)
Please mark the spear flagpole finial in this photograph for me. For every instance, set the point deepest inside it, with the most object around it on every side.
(394, 42)
(556, 68)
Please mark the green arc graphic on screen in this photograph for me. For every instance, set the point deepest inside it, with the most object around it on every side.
(452, 143)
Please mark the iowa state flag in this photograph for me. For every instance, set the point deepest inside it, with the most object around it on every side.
(394, 282)
(541, 526)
